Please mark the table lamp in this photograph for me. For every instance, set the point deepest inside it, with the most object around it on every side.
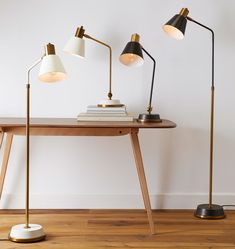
(51, 71)
(132, 56)
(76, 46)
(175, 27)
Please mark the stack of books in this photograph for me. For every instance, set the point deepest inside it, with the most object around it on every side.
(96, 113)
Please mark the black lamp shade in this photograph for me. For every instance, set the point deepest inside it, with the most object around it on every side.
(176, 26)
(132, 54)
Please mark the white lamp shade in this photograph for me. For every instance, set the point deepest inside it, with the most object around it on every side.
(52, 69)
(131, 60)
(75, 46)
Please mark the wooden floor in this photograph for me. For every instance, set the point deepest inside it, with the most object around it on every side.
(122, 229)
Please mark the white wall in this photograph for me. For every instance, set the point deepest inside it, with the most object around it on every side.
(91, 172)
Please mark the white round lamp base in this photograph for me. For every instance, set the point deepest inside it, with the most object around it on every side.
(21, 234)
(110, 103)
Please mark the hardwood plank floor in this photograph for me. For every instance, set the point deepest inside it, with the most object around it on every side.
(72, 229)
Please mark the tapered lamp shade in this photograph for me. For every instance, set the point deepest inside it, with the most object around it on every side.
(51, 69)
(75, 46)
(132, 54)
(176, 26)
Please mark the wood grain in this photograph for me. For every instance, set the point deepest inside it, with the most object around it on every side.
(1, 138)
(5, 161)
(123, 229)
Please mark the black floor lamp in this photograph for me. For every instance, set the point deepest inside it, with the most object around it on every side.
(175, 27)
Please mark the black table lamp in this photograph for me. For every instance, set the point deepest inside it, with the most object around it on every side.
(132, 56)
(176, 28)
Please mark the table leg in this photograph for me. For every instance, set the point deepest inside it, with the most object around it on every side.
(1, 138)
(5, 161)
(142, 178)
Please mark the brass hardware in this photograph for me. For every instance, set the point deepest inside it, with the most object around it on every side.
(149, 109)
(135, 38)
(80, 32)
(107, 105)
(50, 49)
(184, 12)
(26, 240)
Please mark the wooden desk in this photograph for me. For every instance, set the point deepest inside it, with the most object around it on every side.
(70, 127)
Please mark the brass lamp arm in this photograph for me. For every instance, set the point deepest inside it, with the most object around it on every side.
(152, 84)
(110, 62)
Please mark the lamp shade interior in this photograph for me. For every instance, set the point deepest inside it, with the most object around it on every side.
(75, 46)
(51, 69)
(176, 26)
(130, 60)
(132, 54)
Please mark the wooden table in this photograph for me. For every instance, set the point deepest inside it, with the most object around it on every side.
(71, 127)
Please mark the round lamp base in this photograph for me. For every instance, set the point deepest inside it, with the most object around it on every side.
(154, 118)
(204, 211)
(21, 234)
(110, 103)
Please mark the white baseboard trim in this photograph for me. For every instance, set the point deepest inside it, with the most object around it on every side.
(76, 201)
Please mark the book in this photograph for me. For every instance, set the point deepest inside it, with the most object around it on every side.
(128, 118)
(102, 114)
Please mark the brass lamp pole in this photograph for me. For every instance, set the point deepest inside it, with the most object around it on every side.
(175, 27)
(75, 46)
(51, 70)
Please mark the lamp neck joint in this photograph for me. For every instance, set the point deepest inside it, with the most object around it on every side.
(135, 38)
(184, 12)
(80, 32)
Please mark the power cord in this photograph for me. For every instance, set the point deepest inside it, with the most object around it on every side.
(228, 205)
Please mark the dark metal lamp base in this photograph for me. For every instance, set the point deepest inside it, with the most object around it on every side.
(149, 118)
(204, 211)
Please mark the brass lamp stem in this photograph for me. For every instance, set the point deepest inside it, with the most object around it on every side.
(150, 108)
(211, 145)
(110, 63)
(212, 111)
(28, 141)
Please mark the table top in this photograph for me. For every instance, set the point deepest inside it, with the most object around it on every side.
(73, 123)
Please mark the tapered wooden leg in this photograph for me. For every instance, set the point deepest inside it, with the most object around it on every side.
(1, 138)
(5, 161)
(142, 178)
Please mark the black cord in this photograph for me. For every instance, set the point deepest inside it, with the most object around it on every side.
(228, 205)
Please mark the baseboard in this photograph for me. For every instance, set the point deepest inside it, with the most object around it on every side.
(76, 201)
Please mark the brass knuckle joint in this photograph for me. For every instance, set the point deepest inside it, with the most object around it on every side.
(80, 32)
(184, 12)
(149, 110)
(49, 49)
(135, 37)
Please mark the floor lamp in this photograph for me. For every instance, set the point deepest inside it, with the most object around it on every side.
(175, 27)
(76, 46)
(51, 70)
